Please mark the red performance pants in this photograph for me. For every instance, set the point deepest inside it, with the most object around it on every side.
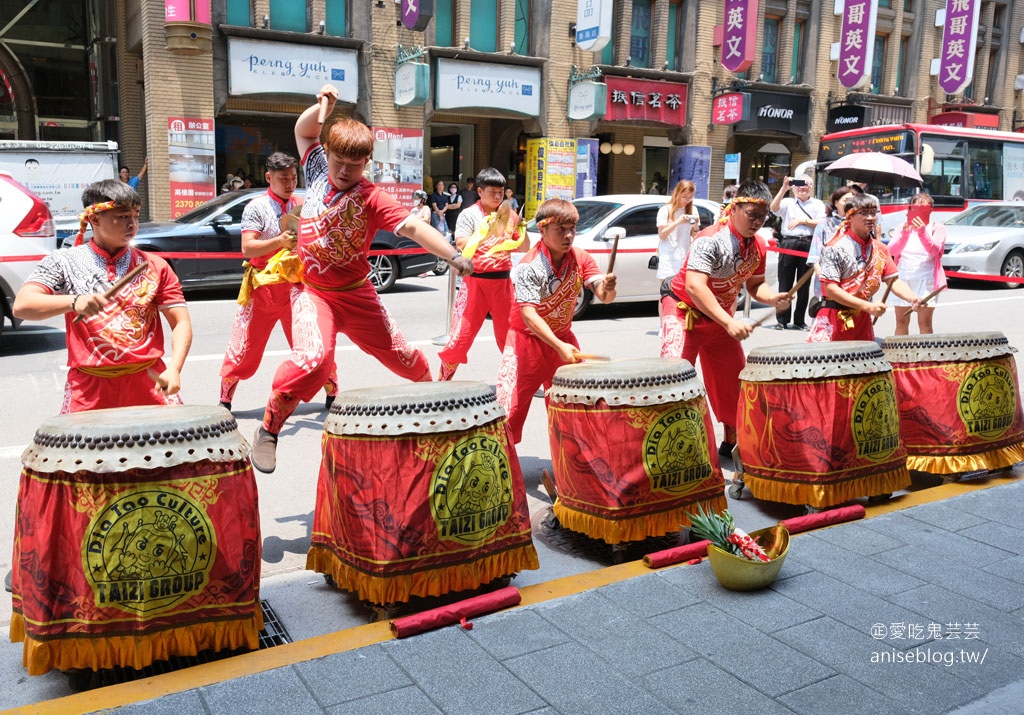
(478, 297)
(254, 322)
(527, 363)
(83, 392)
(317, 318)
(721, 359)
(830, 326)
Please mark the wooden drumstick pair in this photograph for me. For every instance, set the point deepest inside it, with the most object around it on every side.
(121, 283)
(923, 303)
(792, 291)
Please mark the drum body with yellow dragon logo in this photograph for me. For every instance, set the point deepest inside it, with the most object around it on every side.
(420, 493)
(959, 401)
(632, 448)
(137, 539)
(818, 424)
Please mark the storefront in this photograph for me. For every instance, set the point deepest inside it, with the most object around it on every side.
(775, 137)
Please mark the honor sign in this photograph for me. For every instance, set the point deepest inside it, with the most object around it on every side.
(588, 100)
(412, 84)
(593, 24)
(478, 85)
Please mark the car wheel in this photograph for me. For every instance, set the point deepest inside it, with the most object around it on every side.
(1013, 267)
(383, 272)
(441, 267)
(582, 303)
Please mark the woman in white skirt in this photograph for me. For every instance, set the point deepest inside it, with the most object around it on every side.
(678, 222)
(917, 252)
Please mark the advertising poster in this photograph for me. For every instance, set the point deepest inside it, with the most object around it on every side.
(397, 162)
(190, 155)
(1013, 172)
(693, 163)
(550, 172)
(586, 167)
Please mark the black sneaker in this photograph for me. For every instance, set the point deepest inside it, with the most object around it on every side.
(328, 401)
(725, 449)
(226, 406)
(797, 326)
(777, 326)
(264, 451)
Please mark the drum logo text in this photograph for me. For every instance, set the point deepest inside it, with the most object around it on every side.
(676, 456)
(987, 400)
(471, 490)
(875, 422)
(148, 550)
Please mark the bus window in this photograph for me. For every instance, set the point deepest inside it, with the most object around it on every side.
(945, 181)
(985, 162)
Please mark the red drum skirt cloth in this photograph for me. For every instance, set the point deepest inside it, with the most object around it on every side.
(420, 493)
(818, 424)
(960, 408)
(631, 448)
(137, 539)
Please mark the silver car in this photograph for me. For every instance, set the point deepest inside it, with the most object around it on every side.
(987, 239)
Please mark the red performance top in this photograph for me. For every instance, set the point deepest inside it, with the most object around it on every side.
(553, 293)
(728, 260)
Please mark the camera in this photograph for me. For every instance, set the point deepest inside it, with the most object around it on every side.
(797, 182)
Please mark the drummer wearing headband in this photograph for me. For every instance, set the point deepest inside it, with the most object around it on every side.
(547, 283)
(116, 348)
(854, 265)
(697, 314)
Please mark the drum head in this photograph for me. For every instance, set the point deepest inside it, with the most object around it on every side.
(635, 382)
(804, 361)
(150, 437)
(946, 347)
(413, 408)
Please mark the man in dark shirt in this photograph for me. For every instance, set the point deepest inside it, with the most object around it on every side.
(469, 195)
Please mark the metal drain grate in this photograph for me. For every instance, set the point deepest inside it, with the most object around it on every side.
(273, 634)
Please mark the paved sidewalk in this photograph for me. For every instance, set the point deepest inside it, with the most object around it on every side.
(914, 611)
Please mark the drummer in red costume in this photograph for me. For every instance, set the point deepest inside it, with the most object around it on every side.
(115, 351)
(340, 216)
(854, 265)
(489, 289)
(548, 281)
(261, 307)
(698, 315)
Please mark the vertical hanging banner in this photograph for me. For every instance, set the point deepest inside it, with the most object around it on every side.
(857, 42)
(550, 172)
(398, 161)
(693, 163)
(586, 167)
(739, 35)
(593, 24)
(190, 156)
(959, 37)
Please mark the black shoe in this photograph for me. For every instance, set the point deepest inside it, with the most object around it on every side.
(725, 449)
(264, 451)
(798, 326)
(777, 326)
(226, 406)
(328, 402)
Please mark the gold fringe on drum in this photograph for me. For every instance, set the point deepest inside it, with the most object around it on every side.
(634, 527)
(989, 460)
(825, 490)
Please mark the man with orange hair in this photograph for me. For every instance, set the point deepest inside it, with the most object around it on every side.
(342, 212)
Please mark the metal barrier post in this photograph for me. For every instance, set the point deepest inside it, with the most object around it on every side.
(450, 308)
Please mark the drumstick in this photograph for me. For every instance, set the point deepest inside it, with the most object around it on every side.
(155, 377)
(121, 283)
(792, 291)
(931, 295)
(888, 289)
(321, 117)
(611, 256)
(549, 484)
(589, 356)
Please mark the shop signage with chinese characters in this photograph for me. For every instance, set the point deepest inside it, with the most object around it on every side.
(959, 37)
(412, 84)
(416, 14)
(258, 67)
(479, 85)
(857, 42)
(593, 24)
(730, 108)
(645, 100)
(181, 11)
(190, 155)
(739, 35)
(588, 100)
(777, 111)
(846, 116)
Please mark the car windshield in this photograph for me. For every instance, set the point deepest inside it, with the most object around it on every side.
(591, 214)
(990, 216)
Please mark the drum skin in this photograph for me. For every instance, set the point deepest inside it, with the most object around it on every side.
(420, 493)
(818, 424)
(632, 448)
(137, 539)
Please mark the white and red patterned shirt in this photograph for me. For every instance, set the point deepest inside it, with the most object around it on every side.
(263, 215)
(727, 259)
(469, 220)
(129, 329)
(337, 228)
(858, 267)
(553, 293)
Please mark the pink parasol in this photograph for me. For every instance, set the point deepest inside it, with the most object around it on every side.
(873, 167)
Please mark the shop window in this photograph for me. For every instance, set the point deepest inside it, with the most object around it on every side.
(522, 27)
(336, 21)
(770, 49)
(798, 48)
(444, 22)
(985, 167)
(908, 6)
(640, 34)
(994, 75)
(673, 35)
(878, 64)
(901, 67)
(239, 13)
(288, 15)
(483, 25)
(885, 3)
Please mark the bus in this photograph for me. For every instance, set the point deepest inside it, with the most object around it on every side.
(959, 165)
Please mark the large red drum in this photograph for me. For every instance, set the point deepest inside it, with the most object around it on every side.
(420, 493)
(631, 448)
(137, 539)
(818, 424)
(959, 401)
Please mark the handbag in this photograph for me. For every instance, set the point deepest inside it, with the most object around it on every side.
(814, 305)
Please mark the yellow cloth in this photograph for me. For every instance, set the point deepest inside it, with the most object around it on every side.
(491, 226)
(117, 370)
(283, 267)
(692, 314)
(847, 316)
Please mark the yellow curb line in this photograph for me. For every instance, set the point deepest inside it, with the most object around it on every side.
(374, 633)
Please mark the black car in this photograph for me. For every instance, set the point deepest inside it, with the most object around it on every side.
(204, 246)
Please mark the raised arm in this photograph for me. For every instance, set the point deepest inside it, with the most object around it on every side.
(307, 128)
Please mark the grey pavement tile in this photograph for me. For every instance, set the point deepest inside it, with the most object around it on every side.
(849, 567)
(700, 687)
(511, 633)
(944, 514)
(573, 679)
(858, 609)
(1004, 701)
(406, 701)
(957, 576)
(1012, 569)
(1002, 503)
(186, 703)
(919, 687)
(629, 643)
(348, 676)
(755, 658)
(279, 690)
(648, 595)
(856, 538)
(999, 535)
(840, 694)
(453, 670)
(944, 543)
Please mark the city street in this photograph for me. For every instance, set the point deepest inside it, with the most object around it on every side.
(33, 376)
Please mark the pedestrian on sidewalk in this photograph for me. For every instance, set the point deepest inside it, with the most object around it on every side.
(917, 252)
(798, 216)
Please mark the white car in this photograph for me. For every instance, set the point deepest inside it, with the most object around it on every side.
(987, 239)
(637, 215)
(27, 235)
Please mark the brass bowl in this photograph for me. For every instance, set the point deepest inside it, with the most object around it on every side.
(739, 574)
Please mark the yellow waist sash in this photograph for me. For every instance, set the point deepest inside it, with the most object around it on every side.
(116, 370)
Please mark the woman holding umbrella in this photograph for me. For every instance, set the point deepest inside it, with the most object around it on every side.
(917, 252)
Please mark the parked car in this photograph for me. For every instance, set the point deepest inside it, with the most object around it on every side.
(637, 214)
(27, 235)
(987, 239)
(204, 246)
